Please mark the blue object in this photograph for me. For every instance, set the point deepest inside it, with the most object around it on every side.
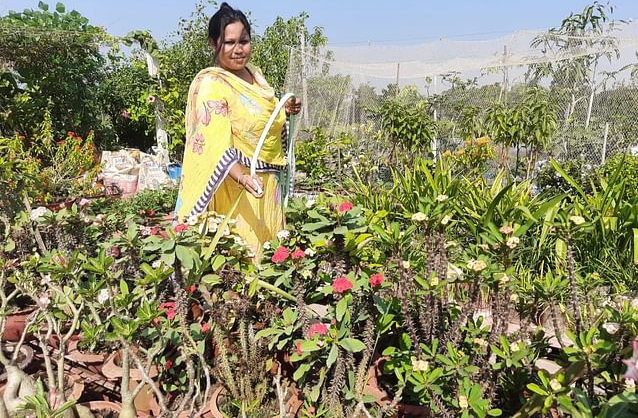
(174, 171)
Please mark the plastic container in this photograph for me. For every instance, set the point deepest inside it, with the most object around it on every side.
(174, 171)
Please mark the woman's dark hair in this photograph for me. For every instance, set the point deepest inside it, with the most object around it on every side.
(222, 18)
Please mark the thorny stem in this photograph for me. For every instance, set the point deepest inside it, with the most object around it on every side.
(281, 394)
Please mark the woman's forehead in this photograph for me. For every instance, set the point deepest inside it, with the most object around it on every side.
(235, 30)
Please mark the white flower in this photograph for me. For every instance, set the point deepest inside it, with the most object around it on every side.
(306, 274)
(145, 231)
(310, 252)
(514, 297)
(239, 241)
(44, 300)
(103, 296)
(480, 342)
(555, 384)
(453, 272)
(515, 346)
(37, 213)
(405, 264)
(476, 265)
(267, 245)
(441, 198)
(630, 384)
(420, 365)
(503, 278)
(446, 219)
(434, 281)
(419, 217)
(46, 279)
(611, 327)
(513, 242)
(506, 229)
(226, 232)
(310, 203)
(463, 403)
(192, 220)
(283, 235)
(84, 202)
(577, 220)
(484, 247)
(156, 264)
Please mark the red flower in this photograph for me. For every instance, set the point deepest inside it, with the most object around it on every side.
(150, 212)
(298, 347)
(341, 284)
(71, 134)
(191, 289)
(333, 322)
(318, 328)
(297, 254)
(376, 280)
(280, 255)
(180, 228)
(205, 327)
(345, 206)
(167, 305)
(168, 365)
(155, 230)
(170, 314)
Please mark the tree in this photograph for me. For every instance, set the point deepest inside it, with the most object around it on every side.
(271, 50)
(51, 56)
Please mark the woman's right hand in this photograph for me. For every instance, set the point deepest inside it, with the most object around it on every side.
(253, 185)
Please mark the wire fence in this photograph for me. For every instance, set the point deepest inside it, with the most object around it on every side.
(591, 80)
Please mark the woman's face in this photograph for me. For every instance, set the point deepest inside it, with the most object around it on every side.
(235, 49)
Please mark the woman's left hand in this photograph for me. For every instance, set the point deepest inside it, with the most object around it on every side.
(293, 106)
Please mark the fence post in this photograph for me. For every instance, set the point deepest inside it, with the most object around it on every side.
(603, 157)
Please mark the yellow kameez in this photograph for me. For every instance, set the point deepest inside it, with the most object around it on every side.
(225, 117)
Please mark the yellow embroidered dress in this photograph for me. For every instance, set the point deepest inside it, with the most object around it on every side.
(225, 117)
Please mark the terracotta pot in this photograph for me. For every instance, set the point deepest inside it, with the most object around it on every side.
(96, 406)
(145, 402)
(16, 322)
(113, 371)
(372, 385)
(73, 384)
(91, 361)
(293, 404)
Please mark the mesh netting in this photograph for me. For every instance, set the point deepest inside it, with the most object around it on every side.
(592, 80)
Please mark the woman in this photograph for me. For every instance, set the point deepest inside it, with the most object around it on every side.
(228, 107)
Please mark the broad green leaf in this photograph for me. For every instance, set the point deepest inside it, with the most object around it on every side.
(537, 389)
(352, 344)
(332, 357)
(342, 305)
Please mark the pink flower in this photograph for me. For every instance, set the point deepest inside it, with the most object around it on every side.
(170, 314)
(318, 328)
(84, 202)
(345, 207)
(205, 327)
(44, 300)
(297, 254)
(280, 255)
(341, 284)
(151, 99)
(191, 289)
(376, 280)
(150, 212)
(167, 305)
(125, 114)
(298, 347)
(632, 366)
(180, 228)
(58, 259)
(168, 365)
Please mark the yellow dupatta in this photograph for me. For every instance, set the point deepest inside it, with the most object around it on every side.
(225, 116)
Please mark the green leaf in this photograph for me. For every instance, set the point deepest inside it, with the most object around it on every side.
(185, 255)
(123, 287)
(59, 7)
(332, 357)
(567, 178)
(301, 370)
(43, 6)
(352, 344)
(342, 306)
(537, 389)
(217, 262)
(212, 279)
